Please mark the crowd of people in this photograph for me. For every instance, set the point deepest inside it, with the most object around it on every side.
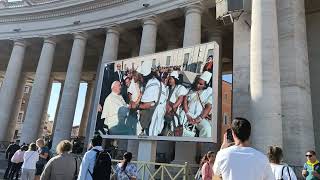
(29, 159)
(237, 160)
(156, 102)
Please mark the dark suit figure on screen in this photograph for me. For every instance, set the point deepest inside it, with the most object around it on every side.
(118, 74)
(108, 77)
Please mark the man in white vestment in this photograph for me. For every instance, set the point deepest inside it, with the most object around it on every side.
(115, 111)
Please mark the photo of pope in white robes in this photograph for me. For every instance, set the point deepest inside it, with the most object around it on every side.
(159, 101)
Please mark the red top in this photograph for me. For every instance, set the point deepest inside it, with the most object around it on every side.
(206, 171)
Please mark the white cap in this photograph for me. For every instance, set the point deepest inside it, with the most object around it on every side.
(174, 74)
(146, 68)
(206, 76)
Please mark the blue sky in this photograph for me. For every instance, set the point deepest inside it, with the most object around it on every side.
(54, 97)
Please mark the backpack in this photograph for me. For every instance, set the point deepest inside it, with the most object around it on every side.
(102, 166)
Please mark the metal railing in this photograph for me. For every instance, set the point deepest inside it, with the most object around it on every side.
(160, 171)
(4, 145)
(164, 171)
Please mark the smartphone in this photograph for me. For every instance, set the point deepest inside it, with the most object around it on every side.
(229, 136)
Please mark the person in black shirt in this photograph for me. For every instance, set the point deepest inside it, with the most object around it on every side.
(12, 148)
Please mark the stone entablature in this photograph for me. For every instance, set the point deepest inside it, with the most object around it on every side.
(71, 16)
(52, 10)
(24, 3)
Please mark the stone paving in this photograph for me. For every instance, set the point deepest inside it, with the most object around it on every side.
(3, 165)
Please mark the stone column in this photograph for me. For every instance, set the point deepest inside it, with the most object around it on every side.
(241, 68)
(149, 36)
(216, 34)
(297, 118)
(10, 85)
(86, 110)
(39, 92)
(147, 46)
(192, 27)
(186, 151)
(45, 108)
(313, 40)
(110, 53)
(265, 76)
(173, 43)
(70, 90)
(57, 109)
(16, 109)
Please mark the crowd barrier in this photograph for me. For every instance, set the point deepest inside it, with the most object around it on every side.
(160, 171)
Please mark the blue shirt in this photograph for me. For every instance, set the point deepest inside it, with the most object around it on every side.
(130, 171)
(42, 151)
(87, 163)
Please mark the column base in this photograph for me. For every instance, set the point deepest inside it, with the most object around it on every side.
(185, 152)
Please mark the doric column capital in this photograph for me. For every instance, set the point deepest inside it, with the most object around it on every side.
(80, 35)
(150, 20)
(114, 29)
(50, 39)
(90, 83)
(194, 8)
(19, 42)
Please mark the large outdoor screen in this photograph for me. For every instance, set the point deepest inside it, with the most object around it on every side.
(170, 95)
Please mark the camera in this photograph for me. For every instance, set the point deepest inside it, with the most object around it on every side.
(229, 136)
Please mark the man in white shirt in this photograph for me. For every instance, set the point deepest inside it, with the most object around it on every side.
(241, 162)
(115, 111)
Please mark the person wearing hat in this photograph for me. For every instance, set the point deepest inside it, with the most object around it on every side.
(175, 99)
(157, 122)
(152, 101)
(197, 105)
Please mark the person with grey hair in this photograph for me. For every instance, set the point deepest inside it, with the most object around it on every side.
(115, 111)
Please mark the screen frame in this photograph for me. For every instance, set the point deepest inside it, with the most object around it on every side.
(216, 87)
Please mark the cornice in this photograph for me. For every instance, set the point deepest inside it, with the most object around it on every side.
(68, 11)
(91, 16)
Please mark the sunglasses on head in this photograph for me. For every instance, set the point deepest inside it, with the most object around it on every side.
(308, 155)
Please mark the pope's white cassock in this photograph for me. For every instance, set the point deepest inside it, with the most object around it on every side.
(115, 112)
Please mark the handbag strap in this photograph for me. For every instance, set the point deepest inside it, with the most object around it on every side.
(127, 174)
(288, 172)
(159, 95)
(198, 95)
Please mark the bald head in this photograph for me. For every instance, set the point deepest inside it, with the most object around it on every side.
(116, 87)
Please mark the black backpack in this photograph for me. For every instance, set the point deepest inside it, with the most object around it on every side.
(102, 166)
